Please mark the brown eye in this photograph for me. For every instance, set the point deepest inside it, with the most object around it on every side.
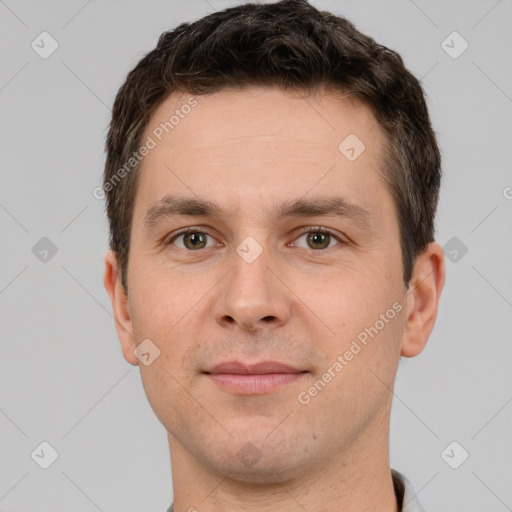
(317, 240)
(192, 240)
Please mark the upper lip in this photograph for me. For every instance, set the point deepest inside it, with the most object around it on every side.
(265, 367)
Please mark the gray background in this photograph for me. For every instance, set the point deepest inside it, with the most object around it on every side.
(63, 379)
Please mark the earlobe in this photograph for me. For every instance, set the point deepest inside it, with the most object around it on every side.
(423, 297)
(121, 311)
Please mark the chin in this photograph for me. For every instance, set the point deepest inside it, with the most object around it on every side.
(260, 463)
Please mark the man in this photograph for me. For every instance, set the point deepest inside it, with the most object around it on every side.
(272, 179)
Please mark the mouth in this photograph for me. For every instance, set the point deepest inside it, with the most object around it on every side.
(257, 379)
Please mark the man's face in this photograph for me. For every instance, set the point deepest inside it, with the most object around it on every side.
(254, 286)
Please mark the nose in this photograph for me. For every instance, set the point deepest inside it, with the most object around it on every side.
(253, 295)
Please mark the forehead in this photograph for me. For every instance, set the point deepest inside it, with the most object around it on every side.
(272, 144)
(267, 116)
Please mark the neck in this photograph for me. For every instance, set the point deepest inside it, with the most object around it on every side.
(355, 478)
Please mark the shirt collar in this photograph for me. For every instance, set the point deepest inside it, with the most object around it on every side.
(405, 494)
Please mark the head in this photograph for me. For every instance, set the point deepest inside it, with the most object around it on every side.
(301, 154)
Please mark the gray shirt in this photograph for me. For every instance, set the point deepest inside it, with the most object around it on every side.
(404, 491)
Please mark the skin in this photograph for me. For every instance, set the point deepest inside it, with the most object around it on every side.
(296, 303)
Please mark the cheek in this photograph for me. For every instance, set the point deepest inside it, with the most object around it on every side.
(166, 394)
(363, 356)
(171, 312)
(354, 299)
(365, 314)
(156, 302)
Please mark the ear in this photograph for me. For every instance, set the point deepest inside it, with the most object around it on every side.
(423, 296)
(119, 299)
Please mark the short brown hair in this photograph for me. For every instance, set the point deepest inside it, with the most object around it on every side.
(294, 46)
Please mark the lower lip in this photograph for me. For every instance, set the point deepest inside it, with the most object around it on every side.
(253, 384)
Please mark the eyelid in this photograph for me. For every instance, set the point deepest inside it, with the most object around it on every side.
(321, 229)
(303, 230)
(184, 231)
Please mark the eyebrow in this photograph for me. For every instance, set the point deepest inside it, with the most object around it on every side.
(171, 206)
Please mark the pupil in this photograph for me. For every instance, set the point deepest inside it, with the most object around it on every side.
(195, 239)
(322, 237)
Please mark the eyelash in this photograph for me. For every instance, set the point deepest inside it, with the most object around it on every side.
(320, 229)
(310, 229)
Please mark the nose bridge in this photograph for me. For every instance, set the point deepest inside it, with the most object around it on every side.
(252, 295)
(250, 279)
